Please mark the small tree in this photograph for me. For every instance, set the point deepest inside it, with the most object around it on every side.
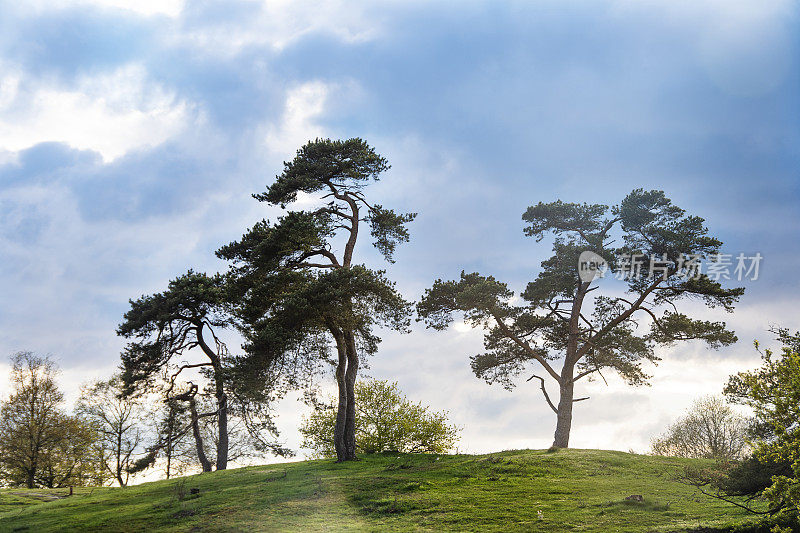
(772, 471)
(40, 445)
(167, 325)
(710, 429)
(119, 421)
(76, 458)
(179, 439)
(385, 421)
(564, 323)
(172, 437)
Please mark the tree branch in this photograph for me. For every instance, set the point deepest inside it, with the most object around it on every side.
(315, 265)
(325, 253)
(544, 391)
(525, 346)
(619, 319)
(181, 369)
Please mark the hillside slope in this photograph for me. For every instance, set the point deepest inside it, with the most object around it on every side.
(569, 490)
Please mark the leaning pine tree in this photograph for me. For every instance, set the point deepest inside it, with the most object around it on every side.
(562, 322)
(297, 296)
(163, 327)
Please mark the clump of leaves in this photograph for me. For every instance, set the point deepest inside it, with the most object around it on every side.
(386, 421)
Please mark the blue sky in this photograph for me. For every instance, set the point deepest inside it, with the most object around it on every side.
(133, 133)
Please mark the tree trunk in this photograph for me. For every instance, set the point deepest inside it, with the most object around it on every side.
(222, 399)
(198, 438)
(29, 482)
(341, 408)
(222, 421)
(118, 470)
(564, 416)
(350, 382)
(170, 433)
(567, 385)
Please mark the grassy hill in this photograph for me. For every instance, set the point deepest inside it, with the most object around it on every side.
(525, 490)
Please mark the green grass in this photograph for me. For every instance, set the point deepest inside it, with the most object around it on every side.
(575, 490)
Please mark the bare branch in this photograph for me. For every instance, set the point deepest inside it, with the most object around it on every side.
(177, 373)
(544, 391)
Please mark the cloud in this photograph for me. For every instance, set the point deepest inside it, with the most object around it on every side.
(132, 135)
(228, 28)
(745, 48)
(304, 104)
(171, 8)
(111, 114)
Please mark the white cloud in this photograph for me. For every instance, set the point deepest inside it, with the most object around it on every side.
(171, 8)
(293, 19)
(71, 272)
(109, 113)
(278, 23)
(304, 103)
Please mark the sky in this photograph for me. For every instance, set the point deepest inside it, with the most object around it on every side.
(132, 135)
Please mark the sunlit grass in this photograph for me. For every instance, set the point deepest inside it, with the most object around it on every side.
(570, 490)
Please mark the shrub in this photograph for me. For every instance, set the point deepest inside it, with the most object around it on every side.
(711, 429)
(385, 421)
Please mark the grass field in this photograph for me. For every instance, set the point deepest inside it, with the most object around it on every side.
(525, 490)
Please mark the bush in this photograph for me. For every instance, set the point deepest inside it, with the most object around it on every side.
(711, 429)
(385, 421)
(773, 392)
(750, 477)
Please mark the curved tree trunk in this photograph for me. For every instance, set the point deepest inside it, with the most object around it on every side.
(350, 382)
(222, 419)
(222, 399)
(341, 410)
(198, 438)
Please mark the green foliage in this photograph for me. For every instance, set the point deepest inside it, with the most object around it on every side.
(385, 421)
(41, 445)
(344, 164)
(169, 323)
(564, 218)
(74, 458)
(750, 477)
(285, 317)
(294, 298)
(773, 392)
(478, 297)
(711, 429)
(389, 229)
(674, 327)
(561, 318)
